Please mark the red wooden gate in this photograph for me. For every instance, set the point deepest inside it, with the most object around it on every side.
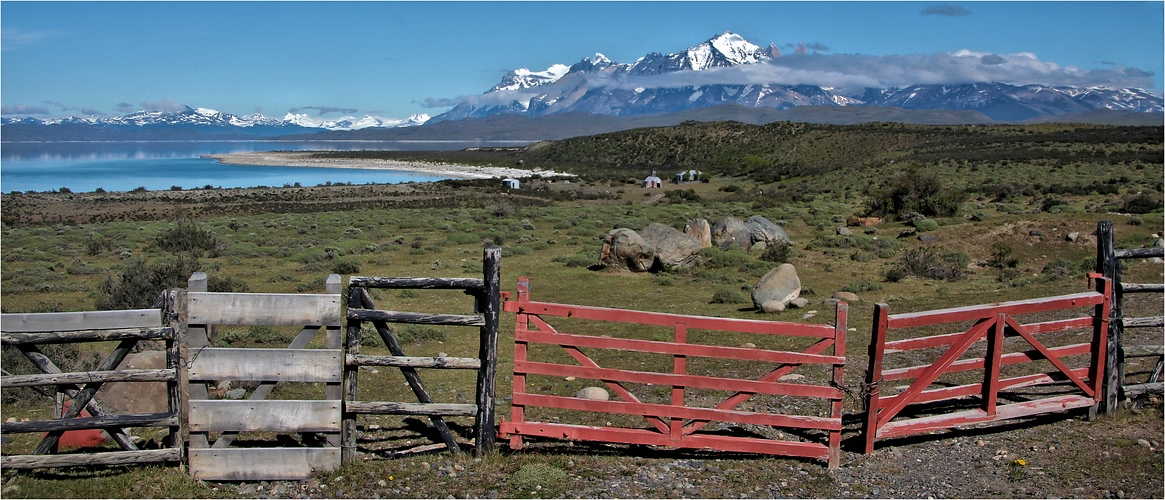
(672, 422)
(1041, 379)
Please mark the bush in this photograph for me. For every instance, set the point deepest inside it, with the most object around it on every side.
(1140, 204)
(139, 284)
(926, 225)
(186, 237)
(864, 285)
(927, 263)
(345, 267)
(914, 190)
(463, 238)
(1003, 256)
(217, 284)
(779, 253)
(714, 258)
(730, 296)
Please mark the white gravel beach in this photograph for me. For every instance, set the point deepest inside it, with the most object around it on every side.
(304, 159)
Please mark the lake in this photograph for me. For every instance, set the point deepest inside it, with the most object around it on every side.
(124, 166)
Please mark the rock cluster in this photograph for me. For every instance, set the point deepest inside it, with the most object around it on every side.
(659, 246)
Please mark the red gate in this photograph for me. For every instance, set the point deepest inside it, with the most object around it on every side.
(1039, 378)
(672, 422)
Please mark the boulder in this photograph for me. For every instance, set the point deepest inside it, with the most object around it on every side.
(593, 394)
(847, 296)
(729, 232)
(928, 238)
(843, 231)
(762, 229)
(672, 248)
(1073, 236)
(776, 289)
(625, 249)
(799, 302)
(700, 230)
(136, 397)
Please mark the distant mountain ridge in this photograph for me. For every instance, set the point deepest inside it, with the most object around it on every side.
(599, 86)
(186, 124)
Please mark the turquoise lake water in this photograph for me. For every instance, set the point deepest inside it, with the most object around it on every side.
(124, 166)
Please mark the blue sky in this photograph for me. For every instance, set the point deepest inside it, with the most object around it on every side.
(394, 59)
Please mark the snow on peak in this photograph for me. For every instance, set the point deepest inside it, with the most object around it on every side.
(207, 112)
(598, 59)
(735, 48)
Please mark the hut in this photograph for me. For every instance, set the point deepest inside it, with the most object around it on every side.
(688, 176)
(652, 181)
(512, 183)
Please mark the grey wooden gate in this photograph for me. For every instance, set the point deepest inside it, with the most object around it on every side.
(217, 460)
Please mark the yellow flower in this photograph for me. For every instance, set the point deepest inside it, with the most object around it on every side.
(1020, 462)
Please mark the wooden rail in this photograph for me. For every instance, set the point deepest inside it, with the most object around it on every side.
(361, 308)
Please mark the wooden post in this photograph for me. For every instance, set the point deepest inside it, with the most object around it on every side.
(992, 364)
(174, 297)
(1107, 265)
(490, 300)
(196, 339)
(1099, 348)
(874, 373)
(841, 323)
(333, 340)
(351, 377)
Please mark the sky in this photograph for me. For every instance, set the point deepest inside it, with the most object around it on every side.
(396, 59)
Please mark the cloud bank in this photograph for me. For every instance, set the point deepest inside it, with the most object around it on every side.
(852, 73)
(323, 110)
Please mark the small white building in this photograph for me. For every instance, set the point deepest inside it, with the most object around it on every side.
(688, 176)
(512, 183)
(652, 182)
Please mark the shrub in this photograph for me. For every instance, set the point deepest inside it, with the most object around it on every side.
(927, 263)
(345, 267)
(463, 238)
(139, 284)
(729, 296)
(715, 258)
(926, 225)
(914, 190)
(1003, 256)
(864, 285)
(1142, 203)
(779, 253)
(186, 236)
(217, 284)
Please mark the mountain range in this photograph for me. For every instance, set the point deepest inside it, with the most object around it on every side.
(596, 85)
(598, 95)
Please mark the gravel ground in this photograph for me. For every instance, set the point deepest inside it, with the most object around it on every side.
(1059, 456)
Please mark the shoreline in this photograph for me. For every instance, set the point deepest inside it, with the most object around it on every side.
(304, 159)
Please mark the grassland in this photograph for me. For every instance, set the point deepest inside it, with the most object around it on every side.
(1025, 190)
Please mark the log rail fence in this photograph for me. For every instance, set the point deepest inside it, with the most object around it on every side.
(27, 332)
(1116, 388)
(361, 308)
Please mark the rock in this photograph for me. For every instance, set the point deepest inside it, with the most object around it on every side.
(776, 289)
(790, 377)
(800, 302)
(1143, 442)
(593, 394)
(927, 238)
(625, 249)
(700, 230)
(236, 393)
(758, 247)
(906, 233)
(729, 232)
(841, 231)
(748, 345)
(1073, 236)
(1034, 232)
(847, 297)
(136, 397)
(762, 229)
(672, 248)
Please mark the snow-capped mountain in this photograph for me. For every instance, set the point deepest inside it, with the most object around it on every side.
(209, 121)
(668, 83)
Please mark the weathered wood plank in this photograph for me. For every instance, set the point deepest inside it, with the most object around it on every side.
(267, 415)
(1137, 253)
(1140, 351)
(415, 318)
(423, 283)
(489, 300)
(1145, 388)
(1142, 287)
(1145, 322)
(261, 464)
(110, 458)
(85, 320)
(274, 309)
(1012, 308)
(71, 424)
(62, 337)
(414, 362)
(154, 375)
(285, 365)
(428, 409)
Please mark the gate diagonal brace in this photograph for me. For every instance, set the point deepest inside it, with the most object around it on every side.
(1055, 360)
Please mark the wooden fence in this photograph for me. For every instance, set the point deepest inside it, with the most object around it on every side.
(361, 308)
(675, 424)
(297, 363)
(1027, 363)
(29, 331)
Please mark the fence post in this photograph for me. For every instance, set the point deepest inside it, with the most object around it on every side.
(874, 372)
(351, 377)
(840, 325)
(197, 337)
(334, 340)
(1107, 265)
(488, 351)
(173, 306)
